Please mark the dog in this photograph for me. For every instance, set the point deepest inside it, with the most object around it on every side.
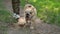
(30, 13)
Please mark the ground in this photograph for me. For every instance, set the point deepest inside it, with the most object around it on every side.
(40, 26)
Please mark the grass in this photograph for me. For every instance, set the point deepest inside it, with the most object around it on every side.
(47, 10)
(5, 18)
(5, 15)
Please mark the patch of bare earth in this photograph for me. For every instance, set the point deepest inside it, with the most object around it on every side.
(40, 28)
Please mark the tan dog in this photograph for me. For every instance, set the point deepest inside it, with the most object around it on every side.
(30, 13)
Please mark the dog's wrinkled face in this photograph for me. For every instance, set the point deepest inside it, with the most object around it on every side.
(28, 11)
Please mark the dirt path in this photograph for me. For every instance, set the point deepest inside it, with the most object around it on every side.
(41, 28)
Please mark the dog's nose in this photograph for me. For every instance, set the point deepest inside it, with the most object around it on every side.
(27, 14)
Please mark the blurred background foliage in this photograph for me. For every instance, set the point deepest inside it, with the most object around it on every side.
(5, 15)
(47, 10)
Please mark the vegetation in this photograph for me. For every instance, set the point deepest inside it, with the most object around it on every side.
(5, 15)
(5, 18)
(47, 10)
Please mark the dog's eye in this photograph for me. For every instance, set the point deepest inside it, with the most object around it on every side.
(29, 6)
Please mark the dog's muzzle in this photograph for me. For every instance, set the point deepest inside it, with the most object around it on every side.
(27, 15)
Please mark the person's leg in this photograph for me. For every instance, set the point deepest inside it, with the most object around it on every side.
(16, 8)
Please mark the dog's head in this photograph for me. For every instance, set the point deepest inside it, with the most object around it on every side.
(28, 10)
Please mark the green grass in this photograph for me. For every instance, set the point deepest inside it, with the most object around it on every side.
(2, 18)
(47, 10)
(5, 18)
(5, 15)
